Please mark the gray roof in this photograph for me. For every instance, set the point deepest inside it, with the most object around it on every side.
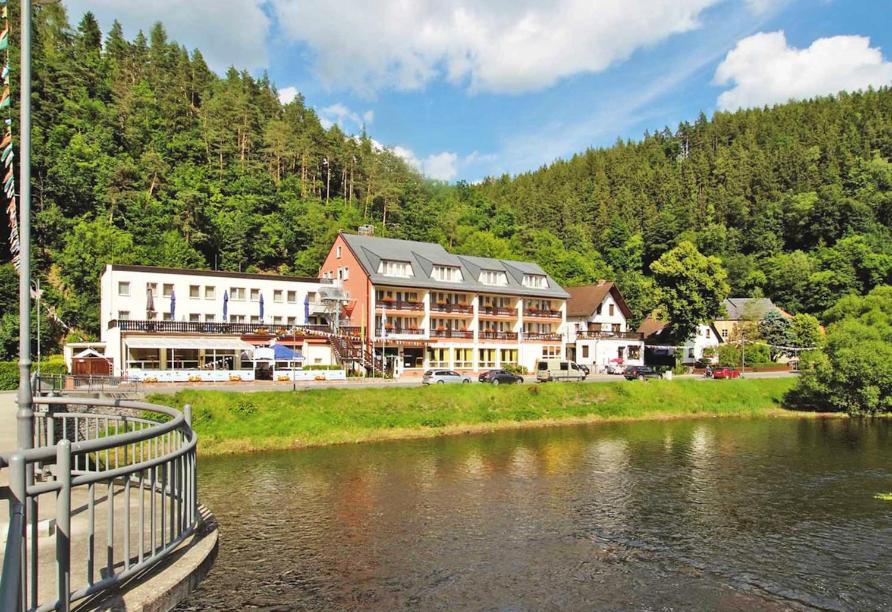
(423, 256)
(741, 308)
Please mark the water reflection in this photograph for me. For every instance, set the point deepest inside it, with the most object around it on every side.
(730, 514)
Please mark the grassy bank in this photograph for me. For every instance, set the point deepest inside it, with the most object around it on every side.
(234, 422)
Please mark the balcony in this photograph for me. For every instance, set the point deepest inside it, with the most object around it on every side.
(497, 311)
(464, 334)
(404, 331)
(212, 327)
(541, 313)
(592, 334)
(547, 336)
(452, 308)
(487, 334)
(401, 305)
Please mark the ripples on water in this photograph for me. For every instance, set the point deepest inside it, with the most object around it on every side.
(729, 514)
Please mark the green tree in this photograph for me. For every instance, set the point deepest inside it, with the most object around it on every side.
(690, 287)
(775, 330)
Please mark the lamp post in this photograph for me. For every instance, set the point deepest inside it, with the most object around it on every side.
(25, 413)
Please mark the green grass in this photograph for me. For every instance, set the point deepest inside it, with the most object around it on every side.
(233, 422)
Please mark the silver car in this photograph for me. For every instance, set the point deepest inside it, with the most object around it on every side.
(441, 377)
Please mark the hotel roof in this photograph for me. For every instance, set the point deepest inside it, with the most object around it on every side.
(370, 251)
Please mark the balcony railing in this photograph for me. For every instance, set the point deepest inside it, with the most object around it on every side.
(541, 336)
(487, 334)
(453, 308)
(452, 333)
(405, 331)
(537, 312)
(211, 327)
(590, 334)
(401, 305)
(498, 311)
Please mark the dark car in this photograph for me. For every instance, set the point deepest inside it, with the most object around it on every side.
(641, 373)
(503, 377)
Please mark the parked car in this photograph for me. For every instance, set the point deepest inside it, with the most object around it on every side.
(616, 368)
(584, 368)
(725, 373)
(442, 377)
(641, 373)
(503, 377)
(486, 376)
(548, 370)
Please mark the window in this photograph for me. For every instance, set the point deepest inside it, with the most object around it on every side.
(237, 294)
(278, 296)
(496, 278)
(450, 274)
(153, 287)
(194, 291)
(277, 320)
(725, 334)
(535, 281)
(166, 317)
(194, 318)
(123, 315)
(292, 297)
(691, 353)
(292, 321)
(236, 318)
(255, 295)
(708, 333)
(401, 269)
(550, 352)
(343, 273)
(167, 290)
(610, 310)
(255, 319)
(599, 308)
(124, 289)
(585, 351)
(635, 352)
(338, 252)
(209, 318)
(210, 292)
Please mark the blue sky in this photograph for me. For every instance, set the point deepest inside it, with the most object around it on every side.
(467, 89)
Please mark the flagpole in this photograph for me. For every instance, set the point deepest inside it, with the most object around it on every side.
(25, 413)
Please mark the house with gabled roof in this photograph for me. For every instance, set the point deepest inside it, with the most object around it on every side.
(598, 333)
(419, 306)
(695, 349)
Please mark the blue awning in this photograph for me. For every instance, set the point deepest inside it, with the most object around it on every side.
(283, 353)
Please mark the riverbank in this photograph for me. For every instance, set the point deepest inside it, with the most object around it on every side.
(236, 422)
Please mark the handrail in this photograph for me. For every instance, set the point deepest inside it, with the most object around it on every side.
(159, 463)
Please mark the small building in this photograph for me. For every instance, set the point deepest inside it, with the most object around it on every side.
(418, 306)
(177, 324)
(598, 333)
(660, 349)
(738, 309)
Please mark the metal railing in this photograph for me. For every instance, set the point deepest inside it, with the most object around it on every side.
(138, 457)
(545, 314)
(592, 334)
(452, 333)
(452, 308)
(541, 336)
(49, 383)
(497, 311)
(487, 334)
(402, 305)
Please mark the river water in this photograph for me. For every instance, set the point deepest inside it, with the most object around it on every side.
(703, 514)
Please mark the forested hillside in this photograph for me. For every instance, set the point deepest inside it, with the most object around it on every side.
(143, 155)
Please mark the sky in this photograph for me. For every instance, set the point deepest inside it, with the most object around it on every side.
(464, 89)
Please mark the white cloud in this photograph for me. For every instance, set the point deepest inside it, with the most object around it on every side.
(497, 46)
(764, 69)
(287, 94)
(227, 32)
(346, 119)
(443, 166)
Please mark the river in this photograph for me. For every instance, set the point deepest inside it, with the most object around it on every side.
(704, 514)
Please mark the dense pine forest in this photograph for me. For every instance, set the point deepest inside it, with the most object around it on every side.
(143, 155)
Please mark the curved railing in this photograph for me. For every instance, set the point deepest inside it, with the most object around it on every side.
(122, 475)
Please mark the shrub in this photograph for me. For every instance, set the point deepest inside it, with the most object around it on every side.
(244, 407)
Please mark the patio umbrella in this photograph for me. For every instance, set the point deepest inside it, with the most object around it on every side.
(150, 300)
(225, 304)
(307, 308)
(173, 305)
(261, 308)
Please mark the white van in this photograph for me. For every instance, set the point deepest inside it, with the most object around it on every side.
(548, 370)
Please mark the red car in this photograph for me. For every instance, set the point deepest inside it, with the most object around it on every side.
(725, 373)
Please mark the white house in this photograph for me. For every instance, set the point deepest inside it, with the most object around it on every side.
(598, 334)
(706, 337)
(176, 324)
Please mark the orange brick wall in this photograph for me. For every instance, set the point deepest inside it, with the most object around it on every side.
(357, 284)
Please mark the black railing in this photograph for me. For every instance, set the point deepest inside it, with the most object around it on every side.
(402, 305)
(452, 333)
(212, 327)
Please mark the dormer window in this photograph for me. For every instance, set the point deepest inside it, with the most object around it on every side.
(535, 281)
(450, 274)
(401, 269)
(495, 278)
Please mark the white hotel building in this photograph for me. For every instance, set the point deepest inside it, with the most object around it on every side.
(173, 324)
